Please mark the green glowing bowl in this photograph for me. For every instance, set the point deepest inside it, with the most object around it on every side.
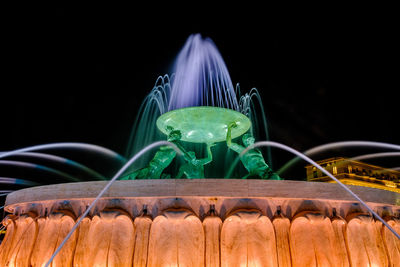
(204, 124)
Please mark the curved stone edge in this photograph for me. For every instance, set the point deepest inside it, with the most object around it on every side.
(202, 188)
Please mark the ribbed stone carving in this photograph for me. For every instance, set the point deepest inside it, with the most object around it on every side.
(192, 230)
(248, 237)
(178, 237)
(52, 231)
(365, 242)
(109, 239)
(17, 246)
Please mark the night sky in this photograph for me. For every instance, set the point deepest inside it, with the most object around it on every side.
(72, 74)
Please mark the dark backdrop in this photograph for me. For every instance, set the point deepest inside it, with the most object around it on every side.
(80, 73)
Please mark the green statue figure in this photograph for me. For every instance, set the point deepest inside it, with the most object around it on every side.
(253, 160)
(194, 168)
(161, 160)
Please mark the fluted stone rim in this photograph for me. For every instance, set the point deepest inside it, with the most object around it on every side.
(236, 188)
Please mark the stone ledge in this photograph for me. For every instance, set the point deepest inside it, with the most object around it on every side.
(202, 188)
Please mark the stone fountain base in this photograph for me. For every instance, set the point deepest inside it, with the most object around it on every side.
(202, 222)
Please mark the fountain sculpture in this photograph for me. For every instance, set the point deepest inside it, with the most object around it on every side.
(149, 218)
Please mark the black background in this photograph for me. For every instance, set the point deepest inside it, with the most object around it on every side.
(80, 73)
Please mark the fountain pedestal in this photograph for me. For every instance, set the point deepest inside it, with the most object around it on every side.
(202, 222)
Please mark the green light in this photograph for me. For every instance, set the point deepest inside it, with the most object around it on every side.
(204, 124)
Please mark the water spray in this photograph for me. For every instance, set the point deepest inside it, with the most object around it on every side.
(61, 160)
(88, 147)
(116, 176)
(27, 165)
(376, 155)
(336, 145)
(304, 157)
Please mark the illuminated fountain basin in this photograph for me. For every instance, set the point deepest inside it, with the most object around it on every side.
(204, 124)
(202, 222)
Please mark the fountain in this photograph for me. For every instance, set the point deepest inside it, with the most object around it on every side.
(199, 222)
